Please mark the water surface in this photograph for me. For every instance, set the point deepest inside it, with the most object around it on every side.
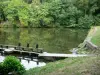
(54, 40)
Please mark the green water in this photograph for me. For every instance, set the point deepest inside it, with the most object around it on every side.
(54, 40)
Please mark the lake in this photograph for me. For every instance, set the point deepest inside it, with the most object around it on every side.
(53, 40)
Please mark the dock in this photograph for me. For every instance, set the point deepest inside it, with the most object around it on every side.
(37, 53)
(43, 54)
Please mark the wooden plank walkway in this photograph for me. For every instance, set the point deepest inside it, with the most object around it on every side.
(43, 54)
(61, 55)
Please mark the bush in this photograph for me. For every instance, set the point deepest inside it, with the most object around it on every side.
(12, 64)
(86, 21)
(1, 68)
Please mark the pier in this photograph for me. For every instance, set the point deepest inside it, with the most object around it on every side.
(37, 52)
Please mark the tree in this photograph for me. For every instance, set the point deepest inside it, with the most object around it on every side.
(48, 13)
(40, 12)
(86, 21)
(3, 4)
(64, 12)
(17, 12)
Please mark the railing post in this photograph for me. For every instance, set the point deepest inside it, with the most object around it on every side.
(22, 49)
(28, 45)
(7, 47)
(3, 53)
(15, 48)
(41, 51)
(32, 58)
(37, 46)
(30, 54)
(20, 59)
(19, 45)
(1, 46)
(28, 61)
(37, 62)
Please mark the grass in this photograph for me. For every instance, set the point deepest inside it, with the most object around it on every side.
(96, 37)
(69, 66)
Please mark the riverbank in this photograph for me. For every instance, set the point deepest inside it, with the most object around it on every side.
(9, 24)
(73, 66)
(69, 66)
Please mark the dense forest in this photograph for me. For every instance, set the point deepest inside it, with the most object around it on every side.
(49, 13)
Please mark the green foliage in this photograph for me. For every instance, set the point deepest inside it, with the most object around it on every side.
(86, 21)
(67, 13)
(3, 4)
(38, 12)
(97, 19)
(12, 64)
(17, 11)
(1, 67)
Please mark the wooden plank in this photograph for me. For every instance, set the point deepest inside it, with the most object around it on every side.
(25, 51)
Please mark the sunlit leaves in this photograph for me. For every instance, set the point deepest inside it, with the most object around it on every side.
(17, 11)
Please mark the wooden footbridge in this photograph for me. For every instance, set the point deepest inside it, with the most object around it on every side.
(60, 55)
(37, 52)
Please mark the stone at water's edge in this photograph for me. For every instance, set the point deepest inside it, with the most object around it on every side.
(90, 45)
(87, 42)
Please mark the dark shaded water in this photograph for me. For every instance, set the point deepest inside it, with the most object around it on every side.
(54, 40)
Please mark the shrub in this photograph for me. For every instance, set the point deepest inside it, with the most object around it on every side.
(12, 64)
(1, 68)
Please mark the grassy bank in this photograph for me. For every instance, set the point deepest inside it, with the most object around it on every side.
(94, 34)
(69, 66)
(96, 37)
